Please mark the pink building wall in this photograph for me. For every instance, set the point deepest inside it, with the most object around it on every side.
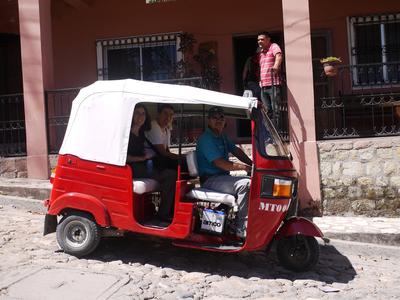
(75, 30)
(300, 91)
(37, 71)
(332, 15)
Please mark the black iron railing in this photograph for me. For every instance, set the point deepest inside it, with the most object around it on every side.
(192, 126)
(59, 103)
(361, 101)
(12, 125)
(58, 107)
(282, 123)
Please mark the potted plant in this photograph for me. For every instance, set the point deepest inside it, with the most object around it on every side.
(330, 65)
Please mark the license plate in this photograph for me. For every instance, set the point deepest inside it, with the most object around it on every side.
(213, 221)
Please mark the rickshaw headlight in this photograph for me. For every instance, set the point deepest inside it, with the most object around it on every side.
(273, 187)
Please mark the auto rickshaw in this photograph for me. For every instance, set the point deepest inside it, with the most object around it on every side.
(94, 194)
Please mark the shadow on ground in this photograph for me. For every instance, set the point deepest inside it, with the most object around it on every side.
(332, 266)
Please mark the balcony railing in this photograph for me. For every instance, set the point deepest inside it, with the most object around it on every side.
(59, 103)
(12, 125)
(361, 101)
(282, 124)
(192, 125)
(58, 106)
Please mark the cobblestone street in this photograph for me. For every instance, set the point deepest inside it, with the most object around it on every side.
(32, 267)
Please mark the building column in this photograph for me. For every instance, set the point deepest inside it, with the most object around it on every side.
(37, 73)
(296, 22)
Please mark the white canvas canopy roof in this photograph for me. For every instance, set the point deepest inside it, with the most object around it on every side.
(101, 114)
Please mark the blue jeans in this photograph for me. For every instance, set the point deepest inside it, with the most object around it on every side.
(237, 186)
(271, 97)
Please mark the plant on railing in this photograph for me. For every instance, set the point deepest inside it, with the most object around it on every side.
(330, 65)
(207, 59)
(184, 67)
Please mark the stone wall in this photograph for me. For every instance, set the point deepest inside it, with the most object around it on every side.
(360, 176)
(15, 167)
(357, 176)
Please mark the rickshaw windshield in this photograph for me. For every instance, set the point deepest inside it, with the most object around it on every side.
(269, 143)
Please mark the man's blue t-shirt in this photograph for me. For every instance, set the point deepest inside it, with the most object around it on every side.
(209, 148)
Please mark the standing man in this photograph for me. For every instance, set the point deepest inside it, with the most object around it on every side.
(213, 148)
(270, 60)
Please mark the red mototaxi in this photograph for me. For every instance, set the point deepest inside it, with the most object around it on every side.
(94, 195)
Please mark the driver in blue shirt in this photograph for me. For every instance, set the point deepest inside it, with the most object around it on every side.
(213, 149)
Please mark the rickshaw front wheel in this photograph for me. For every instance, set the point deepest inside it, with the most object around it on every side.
(298, 253)
(78, 234)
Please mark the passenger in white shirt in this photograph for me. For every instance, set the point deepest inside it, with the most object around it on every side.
(160, 133)
(164, 160)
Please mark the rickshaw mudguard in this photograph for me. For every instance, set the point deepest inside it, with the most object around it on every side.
(82, 202)
(298, 225)
(50, 224)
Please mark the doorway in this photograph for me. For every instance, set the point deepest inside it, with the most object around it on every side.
(10, 64)
(243, 47)
(321, 46)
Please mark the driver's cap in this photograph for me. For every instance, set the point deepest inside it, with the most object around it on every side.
(215, 110)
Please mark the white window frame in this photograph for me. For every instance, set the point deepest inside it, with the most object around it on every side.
(139, 41)
(381, 19)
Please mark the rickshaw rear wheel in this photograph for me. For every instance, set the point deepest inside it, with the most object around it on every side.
(78, 235)
(298, 253)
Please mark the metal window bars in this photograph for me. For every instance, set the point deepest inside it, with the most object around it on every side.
(12, 125)
(359, 102)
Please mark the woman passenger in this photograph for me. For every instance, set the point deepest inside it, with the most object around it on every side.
(141, 164)
(137, 157)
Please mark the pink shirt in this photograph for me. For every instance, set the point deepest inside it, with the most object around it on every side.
(267, 60)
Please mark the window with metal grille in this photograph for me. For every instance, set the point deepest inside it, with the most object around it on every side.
(150, 58)
(375, 49)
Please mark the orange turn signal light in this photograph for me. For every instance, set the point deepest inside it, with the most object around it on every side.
(53, 175)
(282, 188)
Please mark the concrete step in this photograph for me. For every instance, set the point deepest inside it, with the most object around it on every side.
(26, 188)
(377, 230)
(28, 193)
(32, 205)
